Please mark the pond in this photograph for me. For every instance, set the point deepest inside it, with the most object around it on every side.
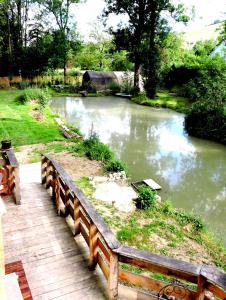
(191, 171)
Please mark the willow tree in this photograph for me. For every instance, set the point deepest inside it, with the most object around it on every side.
(147, 19)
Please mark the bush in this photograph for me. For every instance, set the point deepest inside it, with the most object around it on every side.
(42, 97)
(74, 73)
(96, 150)
(99, 151)
(141, 98)
(147, 197)
(116, 165)
(207, 120)
(114, 87)
(185, 218)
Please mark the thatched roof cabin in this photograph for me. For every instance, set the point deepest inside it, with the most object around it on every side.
(99, 80)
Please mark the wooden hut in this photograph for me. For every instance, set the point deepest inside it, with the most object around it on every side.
(98, 80)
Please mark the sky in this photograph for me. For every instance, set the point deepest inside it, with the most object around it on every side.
(206, 12)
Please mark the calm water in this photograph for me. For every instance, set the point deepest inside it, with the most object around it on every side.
(191, 171)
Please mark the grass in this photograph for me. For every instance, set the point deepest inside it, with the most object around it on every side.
(17, 124)
(164, 99)
(161, 229)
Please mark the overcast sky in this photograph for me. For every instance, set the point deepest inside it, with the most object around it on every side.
(207, 11)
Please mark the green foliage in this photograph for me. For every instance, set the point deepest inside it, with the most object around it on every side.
(185, 218)
(210, 82)
(42, 97)
(116, 165)
(96, 150)
(127, 85)
(114, 87)
(146, 199)
(146, 26)
(74, 73)
(207, 120)
(120, 61)
(204, 48)
(99, 151)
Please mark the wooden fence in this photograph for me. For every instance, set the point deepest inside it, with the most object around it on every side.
(106, 251)
(12, 170)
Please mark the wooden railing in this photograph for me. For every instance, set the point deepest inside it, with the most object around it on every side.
(106, 251)
(12, 168)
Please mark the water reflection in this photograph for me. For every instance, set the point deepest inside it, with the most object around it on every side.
(153, 143)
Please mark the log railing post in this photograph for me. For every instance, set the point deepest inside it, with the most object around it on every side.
(113, 277)
(43, 170)
(67, 199)
(17, 186)
(201, 288)
(77, 218)
(57, 192)
(93, 235)
(48, 180)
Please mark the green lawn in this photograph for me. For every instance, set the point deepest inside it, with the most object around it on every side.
(17, 124)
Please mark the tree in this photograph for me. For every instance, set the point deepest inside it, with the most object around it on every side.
(145, 26)
(60, 9)
(13, 28)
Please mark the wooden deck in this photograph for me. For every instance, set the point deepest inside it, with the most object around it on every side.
(52, 259)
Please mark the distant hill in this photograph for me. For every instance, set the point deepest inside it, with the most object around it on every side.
(210, 32)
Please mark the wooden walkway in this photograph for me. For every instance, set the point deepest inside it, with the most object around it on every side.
(53, 261)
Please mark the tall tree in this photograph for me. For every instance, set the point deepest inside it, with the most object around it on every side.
(60, 9)
(146, 23)
(13, 28)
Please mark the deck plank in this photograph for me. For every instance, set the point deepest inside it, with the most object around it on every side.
(54, 264)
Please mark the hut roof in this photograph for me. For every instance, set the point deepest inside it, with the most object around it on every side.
(103, 75)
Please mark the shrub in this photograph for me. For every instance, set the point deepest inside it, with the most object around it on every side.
(185, 218)
(114, 87)
(207, 120)
(147, 197)
(127, 83)
(116, 165)
(73, 72)
(96, 150)
(99, 151)
(141, 98)
(42, 97)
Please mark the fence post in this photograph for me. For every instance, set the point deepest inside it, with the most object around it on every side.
(43, 170)
(113, 277)
(201, 288)
(47, 183)
(67, 199)
(77, 217)
(57, 192)
(17, 186)
(93, 246)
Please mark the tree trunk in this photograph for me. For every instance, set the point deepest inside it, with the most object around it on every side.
(65, 72)
(152, 78)
(137, 74)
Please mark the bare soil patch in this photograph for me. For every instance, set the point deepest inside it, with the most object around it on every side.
(78, 166)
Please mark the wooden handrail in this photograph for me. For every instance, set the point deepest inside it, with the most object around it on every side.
(13, 178)
(108, 253)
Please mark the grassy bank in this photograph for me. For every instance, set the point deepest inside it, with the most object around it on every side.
(18, 124)
(162, 229)
(164, 99)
